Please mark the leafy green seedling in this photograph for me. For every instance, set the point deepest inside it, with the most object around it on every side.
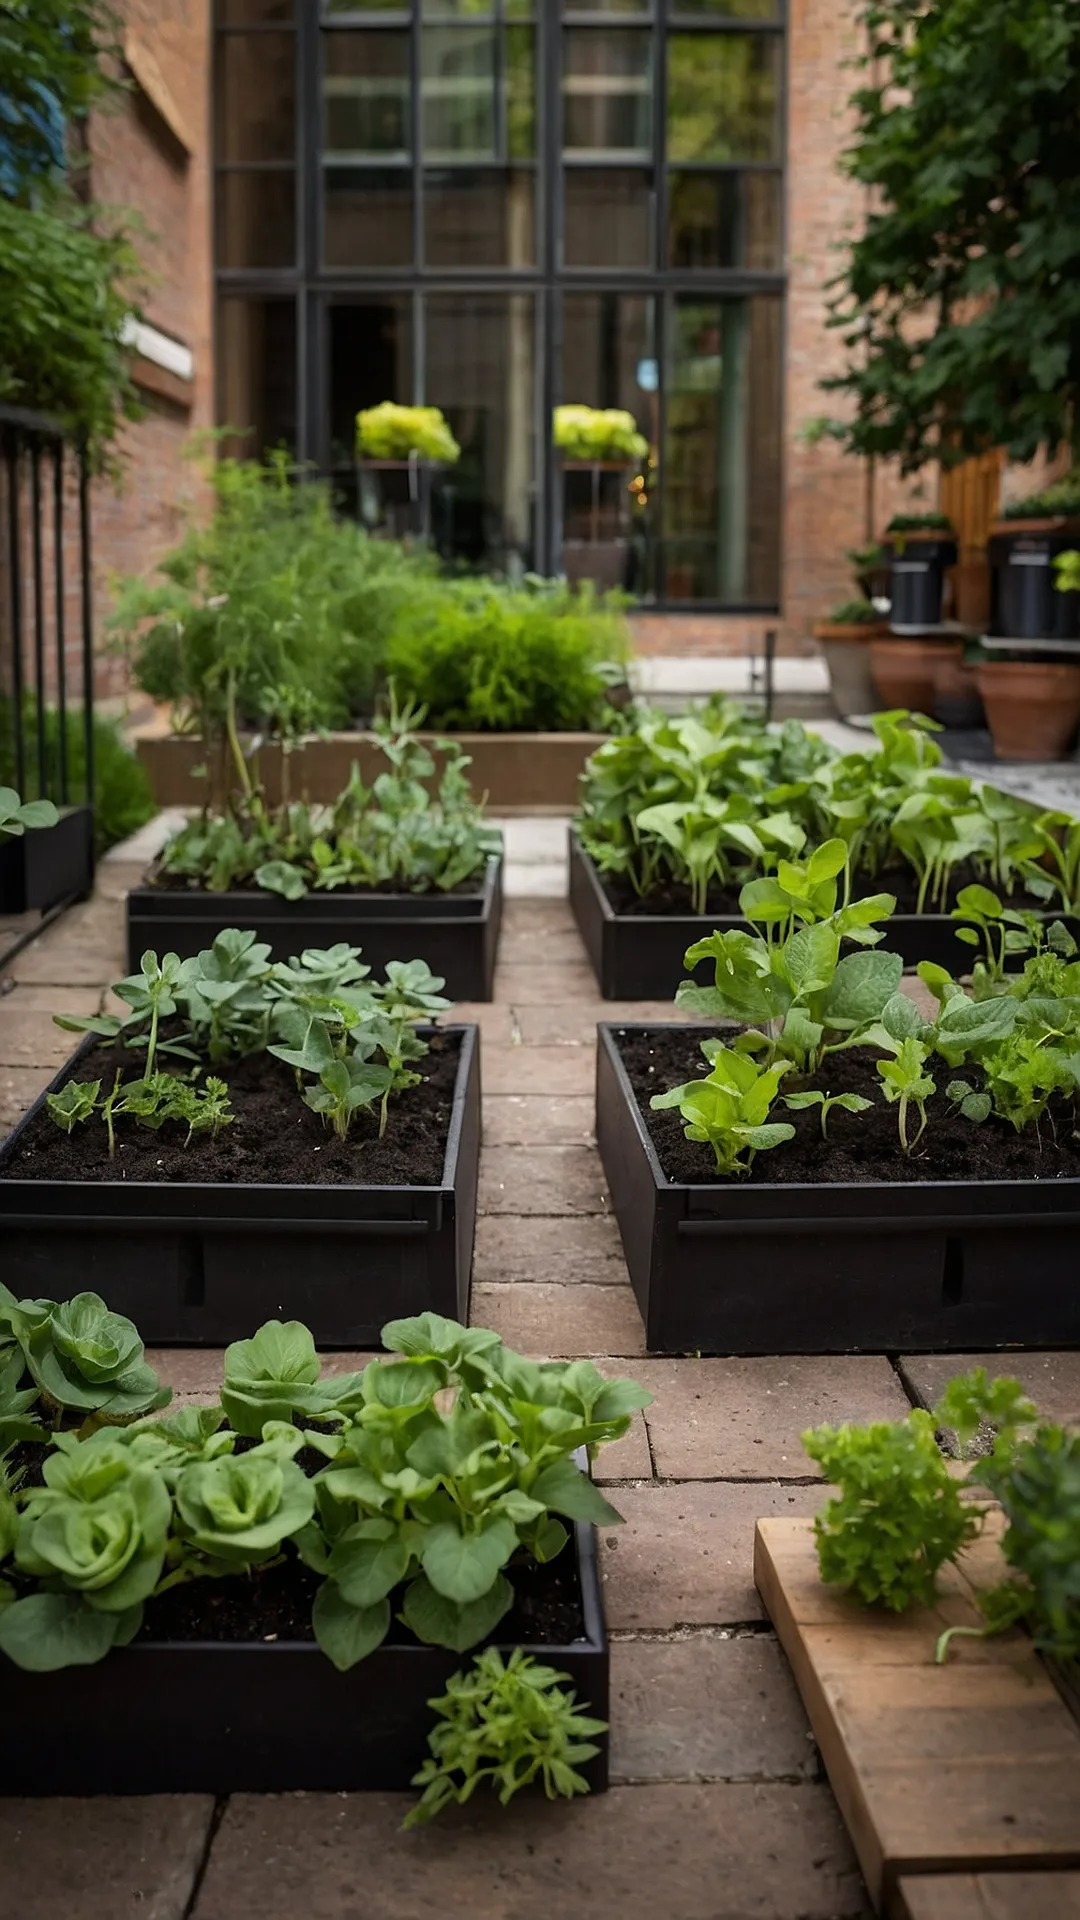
(74, 1103)
(16, 815)
(906, 1083)
(348, 1087)
(505, 1724)
(851, 1103)
(729, 1107)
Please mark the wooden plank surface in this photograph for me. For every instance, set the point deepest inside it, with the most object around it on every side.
(961, 1768)
(991, 1896)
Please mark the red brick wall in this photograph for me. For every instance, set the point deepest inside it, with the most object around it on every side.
(138, 161)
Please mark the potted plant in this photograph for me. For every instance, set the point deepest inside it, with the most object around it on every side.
(1027, 601)
(400, 861)
(334, 1543)
(597, 447)
(45, 856)
(836, 1170)
(251, 1135)
(399, 449)
(678, 814)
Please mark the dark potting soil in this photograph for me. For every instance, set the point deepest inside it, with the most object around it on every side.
(274, 1603)
(861, 1147)
(162, 882)
(723, 902)
(274, 1138)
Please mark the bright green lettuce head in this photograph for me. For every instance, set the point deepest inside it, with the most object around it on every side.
(275, 1375)
(240, 1507)
(87, 1358)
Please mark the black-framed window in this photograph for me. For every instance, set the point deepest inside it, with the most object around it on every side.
(495, 206)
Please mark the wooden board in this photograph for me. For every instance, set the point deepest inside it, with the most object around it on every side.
(962, 1768)
(991, 1896)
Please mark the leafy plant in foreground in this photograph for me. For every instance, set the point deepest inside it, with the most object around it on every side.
(17, 815)
(898, 1517)
(276, 1376)
(506, 1723)
(81, 1357)
(906, 1084)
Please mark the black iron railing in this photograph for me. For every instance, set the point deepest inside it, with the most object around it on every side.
(46, 658)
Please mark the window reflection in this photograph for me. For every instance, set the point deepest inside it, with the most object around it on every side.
(723, 96)
(368, 217)
(479, 218)
(256, 219)
(256, 95)
(607, 216)
(256, 374)
(366, 95)
(608, 360)
(607, 92)
(720, 220)
(479, 364)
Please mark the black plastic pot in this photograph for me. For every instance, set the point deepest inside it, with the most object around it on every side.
(916, 578)
(736, 1268)
(1024, 602)
(457, 933)
(639, 956)
(256, 1717)
(45, 865)
(204, 1264)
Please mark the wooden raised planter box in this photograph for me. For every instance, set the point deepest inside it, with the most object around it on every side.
(257, 1717)
(966, 1769)
(639, 956)
(881, 1267)
(456, 933)
(513, 772)
(202, 1264)
(45, 865)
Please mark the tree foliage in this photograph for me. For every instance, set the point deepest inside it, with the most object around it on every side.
(52, 70)
(959, 302)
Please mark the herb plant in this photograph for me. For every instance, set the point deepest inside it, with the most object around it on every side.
(505, 1724)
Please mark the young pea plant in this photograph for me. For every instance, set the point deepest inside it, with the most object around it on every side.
(825, 1102)
(906, 1084)
(729, 1107)
(151, 1100)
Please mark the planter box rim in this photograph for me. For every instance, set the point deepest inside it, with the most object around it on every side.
(253, 899)
(608, 1031)
(1037, 523)
(200, 1192)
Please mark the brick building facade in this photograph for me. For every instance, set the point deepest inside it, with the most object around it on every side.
(155, 153)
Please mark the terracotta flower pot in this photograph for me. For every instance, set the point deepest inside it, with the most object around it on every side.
(1032, 709)
(956, 693)
(903, 671)
(845, 646)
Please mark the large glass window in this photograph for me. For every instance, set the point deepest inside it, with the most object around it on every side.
(499, 206)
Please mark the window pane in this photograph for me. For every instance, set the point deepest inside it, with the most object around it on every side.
(607, 6)
(459, 9)
(256, 92)
(724, 220)
(607, 219)
(608, 361)
(371, 352)
(239, 12)
(479, 370)
(520, 60)
(256, 374)
(458, 91)
(723, 96)
(367, 6)
(368, 217)
(729, 9)
(607, 92)
(479, 219)
(256, 219)
(722, 454)
(366, 94)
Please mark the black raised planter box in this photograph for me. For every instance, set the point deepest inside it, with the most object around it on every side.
(203, 1264)
(456, 933)
(738, 1268)
(639, 956)
(256, 1717)
(40, 868)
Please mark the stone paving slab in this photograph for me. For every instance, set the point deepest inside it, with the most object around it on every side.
(741, 1419)
(19, 1088)
(562, 1321)
(1051, 1379)
(545, 1180)
(723, 1852)
(565, 1249)
(101, 1859)
(494, 1022)
(92, 963)
(29, 998)
(537, 1120)
(628, 1458)
(547, 1070)
(30, 1038)
(544, 985)
(705, 1707)
(546, 945)
(685, 1556)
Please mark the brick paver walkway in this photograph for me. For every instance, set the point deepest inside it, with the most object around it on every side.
(719, 1810)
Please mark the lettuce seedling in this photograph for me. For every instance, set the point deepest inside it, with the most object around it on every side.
(237, 1509)
(275, 1376)
(74, 1104)
(729, 1107)
(898, 1517)
(508, 1724)
(83, 1357)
